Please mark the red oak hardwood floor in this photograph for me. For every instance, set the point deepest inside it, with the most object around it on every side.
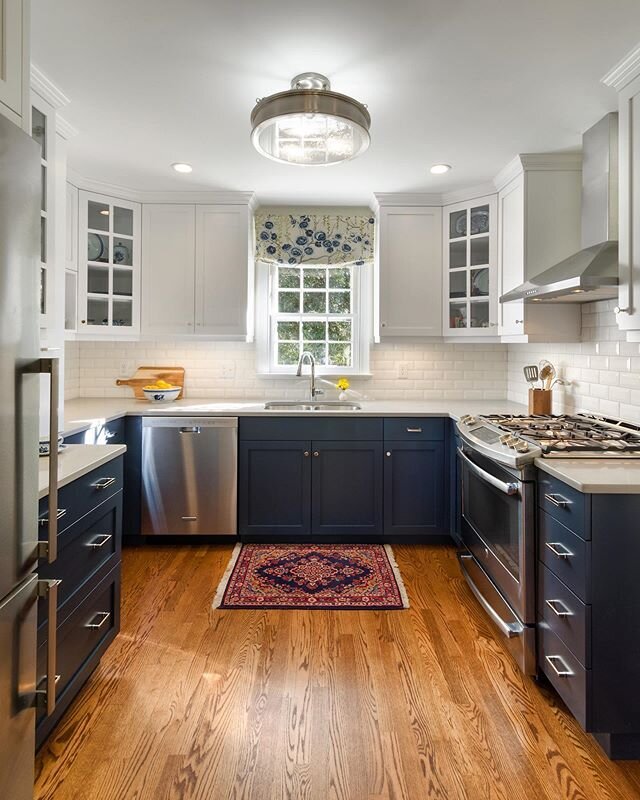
(196, 704)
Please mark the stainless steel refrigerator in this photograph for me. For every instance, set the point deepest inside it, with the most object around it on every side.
(20, 529)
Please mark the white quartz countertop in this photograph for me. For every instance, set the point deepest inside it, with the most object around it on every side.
(82, 414)
(595, 475)
(75, 461)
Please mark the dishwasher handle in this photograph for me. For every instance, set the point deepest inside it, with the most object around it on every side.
(189, 423)
(191, 429)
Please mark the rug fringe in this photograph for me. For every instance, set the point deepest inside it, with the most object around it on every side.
(222, 586)
(396, 573)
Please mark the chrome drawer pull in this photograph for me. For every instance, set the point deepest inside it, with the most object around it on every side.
(59, 515)
(557, 500)
(563, 553)
(104, 483)
(103, 616)
(559, 608)
(564, 672)
(414, 430)
(100, 540)
(189, 519)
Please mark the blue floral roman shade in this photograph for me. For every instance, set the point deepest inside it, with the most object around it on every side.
(314, 238)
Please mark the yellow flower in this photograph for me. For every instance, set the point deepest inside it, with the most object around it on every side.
(342, 384)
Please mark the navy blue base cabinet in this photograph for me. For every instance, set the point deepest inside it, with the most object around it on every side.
(88, 568)
(589, 609)
(328, 479)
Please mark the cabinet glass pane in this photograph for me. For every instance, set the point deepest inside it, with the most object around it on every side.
(288, 352)
(123, 252)
(43, 188)
(98, 216)
(480, 282)
(458, 223)
(458, 284)
(123, 221)
(39, 130)
(43, 240)
(479, 312)
(318, 350)
(457, 254)
(122, 313)
(314, 302)
(122, 281)
(98, 280)
(97, 311)
(289, 302)
(43, 290)
(97, 247)
(479, 220)
(480, 251)
(457, 315)
(70, 294)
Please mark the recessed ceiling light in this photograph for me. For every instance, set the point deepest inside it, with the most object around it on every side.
(440, 169)
(180, 166)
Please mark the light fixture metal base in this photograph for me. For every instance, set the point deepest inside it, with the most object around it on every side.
(311, 81)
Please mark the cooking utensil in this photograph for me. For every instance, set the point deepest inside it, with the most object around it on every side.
(547, 373)
(531, 374)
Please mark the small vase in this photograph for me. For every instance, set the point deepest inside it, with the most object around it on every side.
(343, 396)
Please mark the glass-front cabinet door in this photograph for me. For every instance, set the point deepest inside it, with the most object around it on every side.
(109, 296)
(470, 280)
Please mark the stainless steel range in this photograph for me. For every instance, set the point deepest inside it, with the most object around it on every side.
(497, 505)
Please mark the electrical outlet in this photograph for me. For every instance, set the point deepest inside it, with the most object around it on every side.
(127, 369)
(229, 369)
(403, 371)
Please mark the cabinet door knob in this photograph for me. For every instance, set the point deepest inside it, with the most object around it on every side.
(306, 454)
(316, 454)
(519, 321)
(388, 454)
(619, 310)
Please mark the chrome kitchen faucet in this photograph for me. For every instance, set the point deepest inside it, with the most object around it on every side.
(308, 358)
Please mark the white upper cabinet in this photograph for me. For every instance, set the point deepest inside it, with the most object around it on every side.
(196, 269)
(538, 225)
(168, 283)
(409, 270)
(109, 266)
(470, 268)
(14, 60)
(71, 228)
(625, 77)
(222, 270)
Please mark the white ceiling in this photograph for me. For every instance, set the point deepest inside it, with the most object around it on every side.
(457, 81)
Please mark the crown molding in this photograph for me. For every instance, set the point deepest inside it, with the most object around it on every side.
(537, 162)
(472, 193)
(65, 128)
(383, 199)
(624, 71)
(181, 197)
(47, 89)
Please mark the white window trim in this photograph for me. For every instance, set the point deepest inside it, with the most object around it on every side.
(362, 312)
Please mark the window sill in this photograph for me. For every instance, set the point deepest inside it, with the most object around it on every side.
(319, 374)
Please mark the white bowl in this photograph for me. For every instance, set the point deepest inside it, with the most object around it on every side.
(161, 395)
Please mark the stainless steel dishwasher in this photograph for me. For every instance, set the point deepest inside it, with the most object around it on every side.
(189, 475)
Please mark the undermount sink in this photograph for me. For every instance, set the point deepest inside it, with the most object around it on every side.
(311, 405)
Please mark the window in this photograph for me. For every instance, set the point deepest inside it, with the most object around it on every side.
(318, 309)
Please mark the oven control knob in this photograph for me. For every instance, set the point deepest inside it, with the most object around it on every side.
(505, 438)
(523, 447)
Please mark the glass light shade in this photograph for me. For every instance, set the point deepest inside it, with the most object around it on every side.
(310, 125)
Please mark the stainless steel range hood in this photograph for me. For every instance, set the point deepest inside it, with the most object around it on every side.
(592, 273)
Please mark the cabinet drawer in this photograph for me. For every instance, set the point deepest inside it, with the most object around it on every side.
(569, 678)
(111, 432)
(85, 632)
(409, 429)
(318, 428)
(85, 547)
(562, 612)
(567, 505)
(84, 494)
(565, 554)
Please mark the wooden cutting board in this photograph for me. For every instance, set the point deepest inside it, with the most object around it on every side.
(147, 375)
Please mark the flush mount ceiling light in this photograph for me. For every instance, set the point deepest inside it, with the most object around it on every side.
(440, 169)
(180, 166)
(310, 125)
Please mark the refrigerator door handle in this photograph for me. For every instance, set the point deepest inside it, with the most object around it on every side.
(48, 548)
(46, 697)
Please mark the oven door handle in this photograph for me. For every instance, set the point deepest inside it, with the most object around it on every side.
(509, 629)
(505, 488)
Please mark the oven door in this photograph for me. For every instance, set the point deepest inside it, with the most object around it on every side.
(497, 527)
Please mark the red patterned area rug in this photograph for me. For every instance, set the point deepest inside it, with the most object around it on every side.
(328, 576)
